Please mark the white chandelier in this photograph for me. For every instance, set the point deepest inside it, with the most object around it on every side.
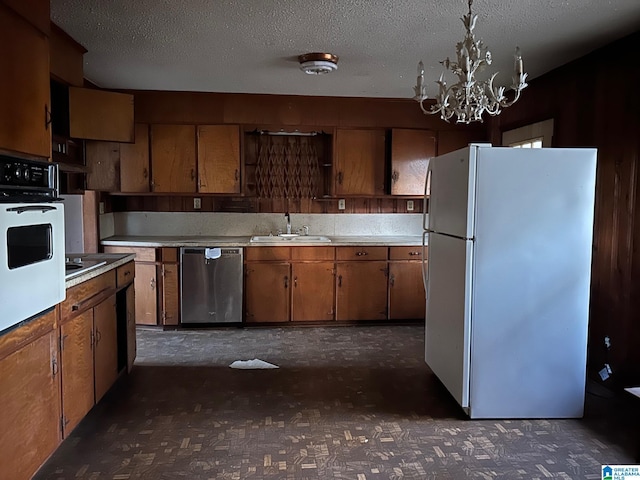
(469, 98)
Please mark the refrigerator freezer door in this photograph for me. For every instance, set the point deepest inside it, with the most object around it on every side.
(448, 326)
(451, 202)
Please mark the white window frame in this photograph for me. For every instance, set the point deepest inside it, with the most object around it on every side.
(524, 137)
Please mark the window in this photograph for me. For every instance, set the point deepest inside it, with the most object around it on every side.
(536, 135)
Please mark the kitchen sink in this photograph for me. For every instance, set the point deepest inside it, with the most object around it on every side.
(290, 238)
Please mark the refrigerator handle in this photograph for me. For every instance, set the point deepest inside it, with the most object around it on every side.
(425, 264)
(427, 193)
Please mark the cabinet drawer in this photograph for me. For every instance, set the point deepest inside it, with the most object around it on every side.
(361, 253)
(85, 295)
(267, 253)
(142, 254)
(125, 274)
(313, 253)
(406, 253)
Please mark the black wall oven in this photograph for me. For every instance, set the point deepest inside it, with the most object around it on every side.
(31, 240)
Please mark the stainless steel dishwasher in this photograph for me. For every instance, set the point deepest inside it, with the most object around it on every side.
(210, 285)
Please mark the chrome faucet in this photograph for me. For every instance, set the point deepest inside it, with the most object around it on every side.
(288, 217)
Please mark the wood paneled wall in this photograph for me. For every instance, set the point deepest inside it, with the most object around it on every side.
(594, 101)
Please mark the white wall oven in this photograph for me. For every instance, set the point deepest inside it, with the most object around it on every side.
(31, 240)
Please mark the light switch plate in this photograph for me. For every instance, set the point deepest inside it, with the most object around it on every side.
(341, 204)
(197, 203)
(409, 205)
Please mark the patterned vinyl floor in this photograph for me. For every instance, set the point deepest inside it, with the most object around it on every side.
(348, 403)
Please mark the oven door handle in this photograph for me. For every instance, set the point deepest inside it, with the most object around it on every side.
(32, 208)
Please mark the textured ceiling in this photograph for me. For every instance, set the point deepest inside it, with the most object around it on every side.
(250, 46)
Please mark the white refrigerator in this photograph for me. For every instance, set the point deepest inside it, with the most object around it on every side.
(509, 235)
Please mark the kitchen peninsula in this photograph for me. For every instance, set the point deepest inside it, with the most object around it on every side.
(56, 366)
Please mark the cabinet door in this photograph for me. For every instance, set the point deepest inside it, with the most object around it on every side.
(145, 284)
(30, 407)
(361, 291)
(359, 162)
(173, 158)
(134, 162)
(76, 342)
(100, 115)
(410, 154)
(267, 292)
(170, 298)
(103, 165)
(24, 86)
(313, 291)
(106, 346)
(219, 159)
(406, 291)
(131, 327)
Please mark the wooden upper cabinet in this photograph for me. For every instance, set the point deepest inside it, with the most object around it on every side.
(219, 158)
(67, 62)
(100, 115)
(103, 165)
(134, 162)
(359, 162)
(410, 154)
(36, 12)
(173, 158)
(24, 86)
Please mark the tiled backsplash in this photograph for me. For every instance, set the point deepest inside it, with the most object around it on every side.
(240, 224)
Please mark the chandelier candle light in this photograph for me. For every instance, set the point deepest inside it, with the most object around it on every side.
(469, 98)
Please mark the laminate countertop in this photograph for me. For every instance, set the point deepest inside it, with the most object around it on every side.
(245, 241)
(113, 260)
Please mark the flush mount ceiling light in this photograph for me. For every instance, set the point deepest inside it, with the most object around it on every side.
(469, 98)
(318, 63)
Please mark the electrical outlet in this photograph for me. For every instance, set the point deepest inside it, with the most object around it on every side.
(341, 204)
(101, 208)
(604, 374)
(409, 205)
(197, 203)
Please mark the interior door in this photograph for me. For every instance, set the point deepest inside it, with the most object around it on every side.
(448, 318)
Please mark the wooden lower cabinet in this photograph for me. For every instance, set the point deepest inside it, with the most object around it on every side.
(313, 292)
(406, 291)
(76, 368)
(146, 284)
(106, 346)
(131, 326)
(30, 407)
(156, 283)
(267, 292)
(361, 290)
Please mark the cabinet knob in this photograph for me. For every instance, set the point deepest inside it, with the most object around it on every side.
(145, 173)
(295, 282)
(414, 253)
(286, 282)
(47, 117)
(340, 178)
(193, 174)
(237, 175)
(339, 280)
(392, 280)
(153, 283)
(395, 175)
(361, 254)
